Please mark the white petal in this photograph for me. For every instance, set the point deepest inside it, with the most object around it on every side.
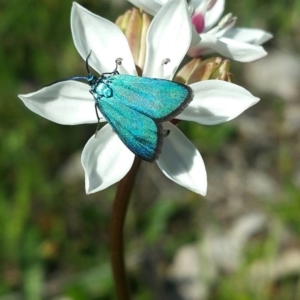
(181, 162)
(105, 160)
(150, 7)
(67, 102)
(195, 37)
(217, 101)
(238, 51)
(102, 37)
(214, 14)
(247, 35)
(168, 37)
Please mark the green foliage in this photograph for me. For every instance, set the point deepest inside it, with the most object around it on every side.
(288, 209)
(209, 138)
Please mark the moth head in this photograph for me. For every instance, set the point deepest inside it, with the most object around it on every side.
(91, 79)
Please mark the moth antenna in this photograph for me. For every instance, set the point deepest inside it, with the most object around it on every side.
(67, 79)
(89, 78)
(87, 62)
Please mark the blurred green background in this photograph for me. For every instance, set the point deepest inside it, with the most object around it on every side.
(239, 242)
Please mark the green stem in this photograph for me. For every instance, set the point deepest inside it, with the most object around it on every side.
(116, 232)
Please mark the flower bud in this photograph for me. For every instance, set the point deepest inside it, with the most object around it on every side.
(197, 70)
(134, 25)
(222, 71)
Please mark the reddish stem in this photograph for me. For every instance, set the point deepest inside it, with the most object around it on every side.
(119, 210)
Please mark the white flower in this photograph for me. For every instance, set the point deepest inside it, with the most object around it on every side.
(105, 158)
(240, 44)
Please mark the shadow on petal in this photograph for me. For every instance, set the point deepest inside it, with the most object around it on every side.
(105, 159)
(181, 162)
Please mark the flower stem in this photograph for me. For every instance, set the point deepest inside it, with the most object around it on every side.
(116, 231)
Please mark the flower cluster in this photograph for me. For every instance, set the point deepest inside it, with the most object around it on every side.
(240, 44)
(162, 44)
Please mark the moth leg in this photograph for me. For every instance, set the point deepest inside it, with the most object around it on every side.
(98, 119)
(166, 132)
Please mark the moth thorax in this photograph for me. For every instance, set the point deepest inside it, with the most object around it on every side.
(103, 89)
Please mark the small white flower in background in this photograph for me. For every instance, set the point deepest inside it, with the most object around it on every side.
(240, 44)
(105, 159)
